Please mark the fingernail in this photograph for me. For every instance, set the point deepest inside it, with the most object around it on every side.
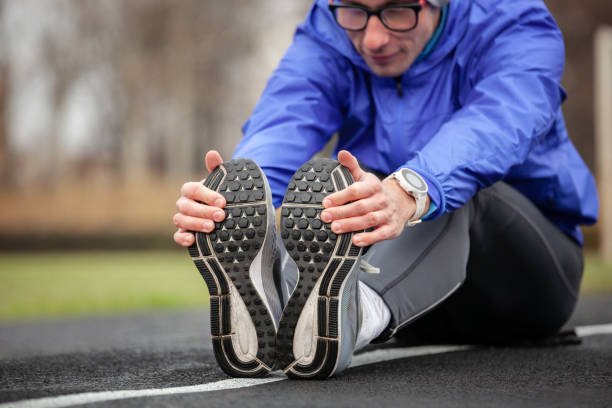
(327, 202)
(357, 241)
(218, 216)
(219, 202)
(207, 225)
(337, 227)
(187, 240)
(326, 217)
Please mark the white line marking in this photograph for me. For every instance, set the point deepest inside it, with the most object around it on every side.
(378, 356)
(371, 357)
(91, 397)
(585, 331)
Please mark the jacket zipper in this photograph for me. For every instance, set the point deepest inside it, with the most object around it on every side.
(398, 84)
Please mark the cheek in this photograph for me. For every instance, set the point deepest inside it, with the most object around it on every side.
(355, 38)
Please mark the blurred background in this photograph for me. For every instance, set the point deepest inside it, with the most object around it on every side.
(107, 107)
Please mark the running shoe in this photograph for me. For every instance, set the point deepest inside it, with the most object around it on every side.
(240, 262)
(319, 325)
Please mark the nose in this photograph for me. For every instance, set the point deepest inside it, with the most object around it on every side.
(376, 35)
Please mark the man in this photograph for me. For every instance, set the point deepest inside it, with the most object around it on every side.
(460, 102)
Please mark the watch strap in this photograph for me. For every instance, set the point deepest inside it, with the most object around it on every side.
(420, 198)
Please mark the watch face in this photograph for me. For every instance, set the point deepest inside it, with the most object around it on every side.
(414, 180)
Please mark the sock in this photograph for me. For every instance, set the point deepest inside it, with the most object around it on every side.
(375, 316)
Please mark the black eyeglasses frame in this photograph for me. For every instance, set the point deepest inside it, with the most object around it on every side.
(417, 7)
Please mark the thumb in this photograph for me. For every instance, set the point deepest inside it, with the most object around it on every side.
(213, 160)
(350, 162)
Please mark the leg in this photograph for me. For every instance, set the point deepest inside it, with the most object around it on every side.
(522, 280)
(420, 268)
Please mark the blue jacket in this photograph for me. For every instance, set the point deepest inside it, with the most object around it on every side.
(483, 106)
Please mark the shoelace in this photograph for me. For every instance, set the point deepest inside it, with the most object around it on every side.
(367, 268)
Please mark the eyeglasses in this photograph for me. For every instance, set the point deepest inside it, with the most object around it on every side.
(396, 17)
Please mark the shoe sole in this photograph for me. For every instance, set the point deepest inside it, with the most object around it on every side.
(224, 257)
(324, 260)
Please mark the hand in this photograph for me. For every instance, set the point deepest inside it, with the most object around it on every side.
(368, 203)
(198, 206)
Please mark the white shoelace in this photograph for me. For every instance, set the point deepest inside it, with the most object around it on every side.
(367, 268)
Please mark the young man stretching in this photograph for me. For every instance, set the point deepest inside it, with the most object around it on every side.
(473, 236)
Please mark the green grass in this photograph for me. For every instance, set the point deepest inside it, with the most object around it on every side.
(35, 285)
(597, 275)
(70, 284)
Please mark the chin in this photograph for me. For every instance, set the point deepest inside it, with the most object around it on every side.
(387, 71)
(390, 70)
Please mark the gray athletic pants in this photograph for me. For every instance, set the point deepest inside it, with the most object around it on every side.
(494, 271)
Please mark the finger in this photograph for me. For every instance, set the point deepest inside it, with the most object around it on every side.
(350, 162)
(192, 223)
(187, 206)
(198, 192)
(354, 209)
(184, 238)
(356, 191)
(372, 219)
(381, 233)
(213, 160)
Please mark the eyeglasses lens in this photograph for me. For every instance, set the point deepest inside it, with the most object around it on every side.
(399, 18)
(352, 18)
(395, 18)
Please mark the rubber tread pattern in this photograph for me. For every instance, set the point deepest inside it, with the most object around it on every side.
(193, 250)
(229, 351)
(203, 244)
(318, 253)
(322, 361)
(333, 318)
(224, 257)
(328, 276)
(225, 365)
(347, 176)
(322, 329)
(344, 243)
(354, 251)
(226, 326)
(340, 276)
(318, 359)
(214, 316)
(219, 275)
(208, 278)
(339, 181)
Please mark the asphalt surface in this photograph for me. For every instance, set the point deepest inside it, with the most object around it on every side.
(50, 358)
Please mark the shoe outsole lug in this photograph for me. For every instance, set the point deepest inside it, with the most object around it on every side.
(208, 278)
(193, 250)
(223, 258)
(338, 280)
(321, 256)
(331, 270)
(214, 316)
(322, 317)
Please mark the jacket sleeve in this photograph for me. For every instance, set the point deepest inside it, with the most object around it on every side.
(511, 103)
(299, 111)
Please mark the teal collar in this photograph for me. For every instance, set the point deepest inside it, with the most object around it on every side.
(433, 41)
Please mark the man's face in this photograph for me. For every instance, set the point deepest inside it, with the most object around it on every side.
(390, 53)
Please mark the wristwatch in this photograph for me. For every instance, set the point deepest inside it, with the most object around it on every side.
(415, 185)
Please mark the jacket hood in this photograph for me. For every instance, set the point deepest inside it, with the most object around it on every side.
(320, 24)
